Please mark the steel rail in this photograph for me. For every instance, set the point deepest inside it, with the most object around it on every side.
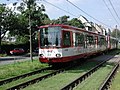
(25, 84)
(106, 84)
(5, 81)
(71, 85)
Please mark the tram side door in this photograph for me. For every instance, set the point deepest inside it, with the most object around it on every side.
(66, 39)
(67, 42)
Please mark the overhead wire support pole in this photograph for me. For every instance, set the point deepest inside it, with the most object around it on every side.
(116, 32)
(116, 35)
(30, 31)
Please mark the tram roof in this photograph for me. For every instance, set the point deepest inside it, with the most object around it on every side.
(70, 27)
(60, 25)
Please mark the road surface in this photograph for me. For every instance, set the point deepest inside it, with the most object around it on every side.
(13, 59)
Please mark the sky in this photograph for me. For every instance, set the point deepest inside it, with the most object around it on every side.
(94, 10)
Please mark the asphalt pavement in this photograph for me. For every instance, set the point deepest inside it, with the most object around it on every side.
(14, 59)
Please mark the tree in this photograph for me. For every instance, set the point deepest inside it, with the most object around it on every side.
(2, 9)
(37, 17)
(75, 22)
(8, 20)
(115, 33)
(64, 19)
(18, 24)
(21, 39)
(34, 15)
(61, 20)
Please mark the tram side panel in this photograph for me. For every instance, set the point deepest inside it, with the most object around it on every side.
(72, 44)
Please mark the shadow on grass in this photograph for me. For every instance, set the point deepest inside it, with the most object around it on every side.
(87, 66)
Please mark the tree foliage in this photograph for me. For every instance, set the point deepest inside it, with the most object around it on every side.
(64, 20)
(7, 20)
(75, 22)
(21, 39)
(18, 24)
(115, 33)
(37, 17)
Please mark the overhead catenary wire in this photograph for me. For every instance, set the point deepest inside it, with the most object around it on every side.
(111, 12)
(59, 8)
(88, 14)
(114, 9)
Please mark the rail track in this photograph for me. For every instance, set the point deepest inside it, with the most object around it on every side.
(106, 84)
(77, 81)
(55, 70)
(5, 81)
(30, 82)
(71, 85)
(23, 85)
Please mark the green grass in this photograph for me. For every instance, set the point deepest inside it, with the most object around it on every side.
(16, 82)
(17, 68)
(113, 52)
(95, 80)
(3, 55)
(118, 46)
(116, 81)
(60, 80)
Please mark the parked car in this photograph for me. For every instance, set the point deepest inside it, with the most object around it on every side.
(17, 51)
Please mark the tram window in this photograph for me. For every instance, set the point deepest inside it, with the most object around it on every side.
(102, 41)
(79, 39)
(90, 40)
(50, 37)
(66, 39)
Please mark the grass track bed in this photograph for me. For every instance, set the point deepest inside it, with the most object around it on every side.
(18, 68)
(116, 81)
(114, 52)
(4, 87)
(58, 81)
(95, 80)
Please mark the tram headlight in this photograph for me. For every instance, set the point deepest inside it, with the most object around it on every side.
(41, 55)
(58, 55)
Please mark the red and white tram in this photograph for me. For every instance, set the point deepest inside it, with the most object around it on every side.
(64, 43)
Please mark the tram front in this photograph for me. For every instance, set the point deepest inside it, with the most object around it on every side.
(50, 44)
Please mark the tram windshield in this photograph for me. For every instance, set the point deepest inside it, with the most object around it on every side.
(50, 37)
